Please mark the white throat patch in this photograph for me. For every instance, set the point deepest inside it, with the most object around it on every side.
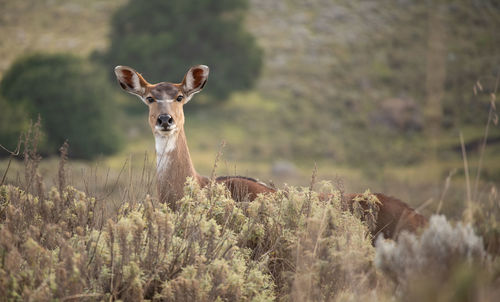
(164, 146)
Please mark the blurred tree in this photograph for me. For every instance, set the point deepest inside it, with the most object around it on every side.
(13, 121)
(162, 39)
(72, 98)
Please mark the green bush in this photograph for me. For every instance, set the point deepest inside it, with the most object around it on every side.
(71, 97)
(13, 121)
(162, 39)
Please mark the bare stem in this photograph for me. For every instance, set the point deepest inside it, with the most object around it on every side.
(466, 170)
(491, 115)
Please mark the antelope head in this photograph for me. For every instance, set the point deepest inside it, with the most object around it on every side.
(165, 100)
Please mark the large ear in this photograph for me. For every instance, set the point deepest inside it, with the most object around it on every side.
(130, 80)
(195, 79)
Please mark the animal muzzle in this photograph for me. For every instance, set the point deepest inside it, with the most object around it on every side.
(165, 122)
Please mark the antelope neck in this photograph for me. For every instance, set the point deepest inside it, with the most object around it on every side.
(173, 164)
(165, 146)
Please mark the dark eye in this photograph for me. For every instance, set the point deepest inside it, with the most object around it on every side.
(179, 98)
(150, 100)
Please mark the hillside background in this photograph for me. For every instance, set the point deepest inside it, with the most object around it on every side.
(373, 94)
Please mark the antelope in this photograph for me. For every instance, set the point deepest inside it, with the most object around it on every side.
(166, 119)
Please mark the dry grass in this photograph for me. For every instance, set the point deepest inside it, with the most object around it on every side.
(63, 244)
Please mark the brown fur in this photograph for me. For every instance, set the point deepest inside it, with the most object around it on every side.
(393, 215)
(244, 188)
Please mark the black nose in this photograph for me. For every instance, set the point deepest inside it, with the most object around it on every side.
(165, 120)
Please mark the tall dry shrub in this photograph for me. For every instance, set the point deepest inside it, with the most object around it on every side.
(59, 244)
(445, 263)
(316, 250)
(485, 216)
(42, 243)
(52, 248)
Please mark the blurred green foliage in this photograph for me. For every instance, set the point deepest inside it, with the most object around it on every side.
(72, 98)
(162, 39)
(13, 122)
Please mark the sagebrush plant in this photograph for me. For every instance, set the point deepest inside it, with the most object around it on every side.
(59, 246)
(485, 217)
(54, 247)
(315, 248)
(437, 249)
(445, 263)
(63, 244)
(369, 214)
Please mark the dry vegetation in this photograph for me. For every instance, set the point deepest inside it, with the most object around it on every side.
(63, 244)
